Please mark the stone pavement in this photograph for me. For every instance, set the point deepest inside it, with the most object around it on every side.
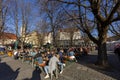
(11, 69)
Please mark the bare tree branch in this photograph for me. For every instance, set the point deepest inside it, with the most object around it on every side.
(114, 31)
(110, 17)
(95, 6)
(72, 2)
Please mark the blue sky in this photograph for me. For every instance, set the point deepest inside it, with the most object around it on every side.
(33, 19)
(36, 17)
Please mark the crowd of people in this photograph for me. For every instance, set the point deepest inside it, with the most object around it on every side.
(50, 60)
(53, 61)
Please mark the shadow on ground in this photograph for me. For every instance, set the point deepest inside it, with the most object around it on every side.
(35, 75)
(7, 73)
(112, 71)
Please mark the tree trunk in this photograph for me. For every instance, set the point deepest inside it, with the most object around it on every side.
(54, 39)
(102, 55)
(102, 49)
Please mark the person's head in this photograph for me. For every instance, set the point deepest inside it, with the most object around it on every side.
(48, 52)
(62, 50)
(57, 55)
(53, 52)
(43, 55)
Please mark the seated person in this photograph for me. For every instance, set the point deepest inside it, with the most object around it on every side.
(61, 59)
(38, 59)
(16, 56)
(46, 67)
(71, 55)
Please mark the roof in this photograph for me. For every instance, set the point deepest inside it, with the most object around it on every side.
(113, 38)
(8, 36)
(71, 29)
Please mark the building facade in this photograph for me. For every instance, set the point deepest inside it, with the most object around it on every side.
(7, 38)
(69, 37)
(65, 37)
(47, 38)
(31, 38)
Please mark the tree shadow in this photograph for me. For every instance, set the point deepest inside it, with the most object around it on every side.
(7, 73)
(113, 70)
(35, 75)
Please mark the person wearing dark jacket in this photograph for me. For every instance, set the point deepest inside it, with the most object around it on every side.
(117, 52)
(38, 56)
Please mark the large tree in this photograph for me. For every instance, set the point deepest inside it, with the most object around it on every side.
(98, 15)
(14, 13)
(21, 18)
(3, 17)
(26, 17)
(42, 29)
(53, 15)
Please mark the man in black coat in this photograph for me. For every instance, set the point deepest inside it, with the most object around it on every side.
(117, 52)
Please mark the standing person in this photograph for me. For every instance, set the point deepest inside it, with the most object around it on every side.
(53, 65)
(117, 51)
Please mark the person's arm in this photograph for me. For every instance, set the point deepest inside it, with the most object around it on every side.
(50, 62)
(57, 60)
(37, 55)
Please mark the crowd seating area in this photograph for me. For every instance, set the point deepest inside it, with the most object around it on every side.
(42, 58)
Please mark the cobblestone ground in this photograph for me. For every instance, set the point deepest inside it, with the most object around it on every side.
(80, 72)
(11, 69)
